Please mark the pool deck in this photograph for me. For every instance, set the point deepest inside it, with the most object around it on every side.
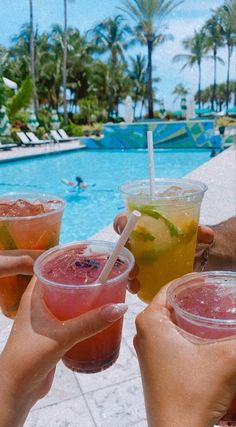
(23, 152)
(114, 397)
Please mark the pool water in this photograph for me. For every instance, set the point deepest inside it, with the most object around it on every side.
(89, 211)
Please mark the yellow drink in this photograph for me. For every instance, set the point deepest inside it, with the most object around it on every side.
(164, 239)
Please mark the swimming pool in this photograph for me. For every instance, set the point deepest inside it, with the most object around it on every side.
(89, 211)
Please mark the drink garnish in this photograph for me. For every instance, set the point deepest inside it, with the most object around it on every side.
(6, 238)
(92, 264)
(148, 257)
(143, 234)
(149, 210)
(118, 263)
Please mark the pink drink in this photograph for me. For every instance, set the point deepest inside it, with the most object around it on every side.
(68, 276)
(205, 306)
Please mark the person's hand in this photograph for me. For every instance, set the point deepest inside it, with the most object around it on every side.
(18, 261)
(37, 342)
(205, 239)
(186, 382)
(221, 253)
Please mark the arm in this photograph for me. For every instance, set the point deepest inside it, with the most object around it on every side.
(37, 342)
(222, 254)
(186, 382)
(17, 261)
(219, 253)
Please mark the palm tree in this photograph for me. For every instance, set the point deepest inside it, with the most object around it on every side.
(228, 31)
(65, 64)
(180, 91)
(80, 65)
(149, 16)
(109, 85)
(230, 6)
(111, 36)
(2, 85)
(138, 75)
(196, 45)
(214, 40)
(32, 56)
(49, 56)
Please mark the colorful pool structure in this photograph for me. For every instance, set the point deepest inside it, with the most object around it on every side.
(166, 134)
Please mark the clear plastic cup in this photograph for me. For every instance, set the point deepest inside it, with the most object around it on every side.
(205, 306)
(164, 239)
(26, 226)
(67, 295)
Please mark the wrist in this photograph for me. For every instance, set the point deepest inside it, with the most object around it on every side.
(14, 402)
(173, 417)
(221, 254)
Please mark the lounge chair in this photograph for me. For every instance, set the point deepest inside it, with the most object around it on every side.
(7, 146)
(58, 138)
(32, 137)
(66, 137)
(26, 141)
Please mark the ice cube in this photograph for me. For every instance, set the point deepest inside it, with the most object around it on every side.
(94, 250)
(21, 208)
(172, 191)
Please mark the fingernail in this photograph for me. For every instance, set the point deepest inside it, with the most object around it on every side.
(113, 312)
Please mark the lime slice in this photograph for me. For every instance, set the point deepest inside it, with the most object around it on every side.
(53, 241)
(143, 234)
(6, 238)
(149, 210)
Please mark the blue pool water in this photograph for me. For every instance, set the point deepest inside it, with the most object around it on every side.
(90, 211)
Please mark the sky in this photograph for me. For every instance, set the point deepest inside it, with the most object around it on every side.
(84, 14)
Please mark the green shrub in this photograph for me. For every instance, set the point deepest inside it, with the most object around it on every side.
(44, 118)
(74, 130)
(20, 117)
(41, 132)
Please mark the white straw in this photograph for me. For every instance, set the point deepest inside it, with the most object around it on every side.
(133, 218)
(151, 163)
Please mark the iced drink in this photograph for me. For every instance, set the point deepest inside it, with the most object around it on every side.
(27, 221)
(205, 306)
(68, 276)
(164, 239)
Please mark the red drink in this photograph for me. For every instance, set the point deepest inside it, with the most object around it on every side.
(27, 221)
(205, 306)
(68, 276)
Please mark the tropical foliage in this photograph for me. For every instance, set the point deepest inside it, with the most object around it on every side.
(88, 75)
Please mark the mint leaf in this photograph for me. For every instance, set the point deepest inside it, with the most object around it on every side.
(6, 238)
(143, 234)
(148, 257)
(149, 210)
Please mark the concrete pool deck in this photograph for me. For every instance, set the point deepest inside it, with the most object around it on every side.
(23, 152)
(114, 397)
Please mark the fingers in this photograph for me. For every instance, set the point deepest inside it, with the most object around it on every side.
(120, 222)
(12, 265)
(91, 323)
(205, 234)
(33, 253)
(133, 283)
(161, 297)
(160, 303)
(133, 286)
